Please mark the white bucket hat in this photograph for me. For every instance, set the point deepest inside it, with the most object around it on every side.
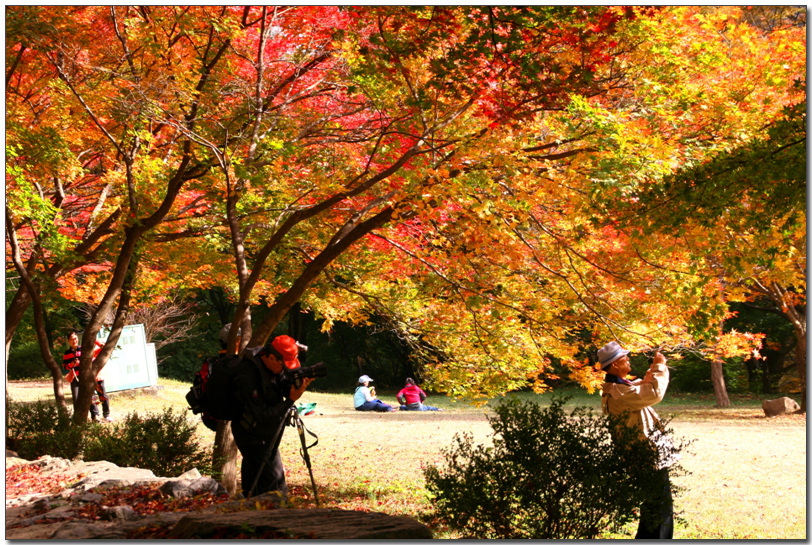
(364, 378)
(610, 353)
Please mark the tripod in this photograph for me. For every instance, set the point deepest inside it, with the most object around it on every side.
(291, 418)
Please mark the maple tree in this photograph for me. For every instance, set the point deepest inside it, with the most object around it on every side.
(715, 84)
(740, 210)
(54, 198)
(345, 134)
(750, 203)
(109, 82)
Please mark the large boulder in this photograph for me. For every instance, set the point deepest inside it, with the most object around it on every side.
(332, 524)
(42, 516)
(777, 407)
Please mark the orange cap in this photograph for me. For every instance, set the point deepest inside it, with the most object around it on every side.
(286, 346)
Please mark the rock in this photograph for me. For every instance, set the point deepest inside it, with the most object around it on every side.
(42, 504)
(184, 489)
(332, 524)
(119, 512)
(108, 475)
(49, 463)
(782, 405)
(176, 489)
(224, 520)
(63, 512)
(191, 475)
(12, 461)
(206, 484)
(88, 497)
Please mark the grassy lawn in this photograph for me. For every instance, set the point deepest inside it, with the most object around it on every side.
(747, 481)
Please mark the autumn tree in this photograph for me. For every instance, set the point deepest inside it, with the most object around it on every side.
(751, 204)
(56, 218)
(109, 70)
(694, 103)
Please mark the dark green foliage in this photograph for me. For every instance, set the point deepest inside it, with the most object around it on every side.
(25, 362)
(180, 361)
(164, 444)
(549, 475)
(36, 429)
(770, 170)
(692, 374)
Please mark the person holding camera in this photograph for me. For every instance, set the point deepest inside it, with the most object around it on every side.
(634, 399)
(411, 398)
(365, 399)
(265, 393)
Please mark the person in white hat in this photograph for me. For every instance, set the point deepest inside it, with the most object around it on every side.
(365, 399)
(635, 398)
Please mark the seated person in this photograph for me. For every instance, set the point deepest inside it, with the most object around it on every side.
(411, 398)
(366, 400)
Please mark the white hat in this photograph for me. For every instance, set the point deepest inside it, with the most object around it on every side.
(609, 353)
(364, 378)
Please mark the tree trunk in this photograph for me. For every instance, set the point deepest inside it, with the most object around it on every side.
(718, 380)
(39, 319)
(224, 457)
(45, 352)
(14, 315)
(800, 364)
(297, 329)
(90, 366)
(352, 231)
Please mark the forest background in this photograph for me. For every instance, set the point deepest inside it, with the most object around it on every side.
(476, 197)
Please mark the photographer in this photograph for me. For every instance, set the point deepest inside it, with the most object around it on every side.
(265, 394)
(634, 399)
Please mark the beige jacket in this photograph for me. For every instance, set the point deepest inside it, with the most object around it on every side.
(638, 400)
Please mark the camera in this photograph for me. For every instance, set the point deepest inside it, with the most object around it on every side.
(313, 371)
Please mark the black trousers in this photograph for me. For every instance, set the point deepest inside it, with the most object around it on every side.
(94, 409)
(657, 514)
(272, 476)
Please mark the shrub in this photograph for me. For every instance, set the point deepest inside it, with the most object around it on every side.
(163, 443)
(549, 475)
(40, 428)
(25, 362)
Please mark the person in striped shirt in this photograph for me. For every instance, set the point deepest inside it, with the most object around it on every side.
(70, 361)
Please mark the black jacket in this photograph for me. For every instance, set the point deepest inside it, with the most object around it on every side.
(263, 397)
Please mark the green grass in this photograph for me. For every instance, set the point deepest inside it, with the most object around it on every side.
(747, 481)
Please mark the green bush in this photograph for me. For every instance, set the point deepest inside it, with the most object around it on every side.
(40, 428)
(25, 362)
(549, 475)
(163, 443)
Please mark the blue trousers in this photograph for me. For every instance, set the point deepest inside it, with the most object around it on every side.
(418, 407)
(375, 405)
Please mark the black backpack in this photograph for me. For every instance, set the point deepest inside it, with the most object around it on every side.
(212, 393)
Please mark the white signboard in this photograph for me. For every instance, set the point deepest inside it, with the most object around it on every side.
(133, 363)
